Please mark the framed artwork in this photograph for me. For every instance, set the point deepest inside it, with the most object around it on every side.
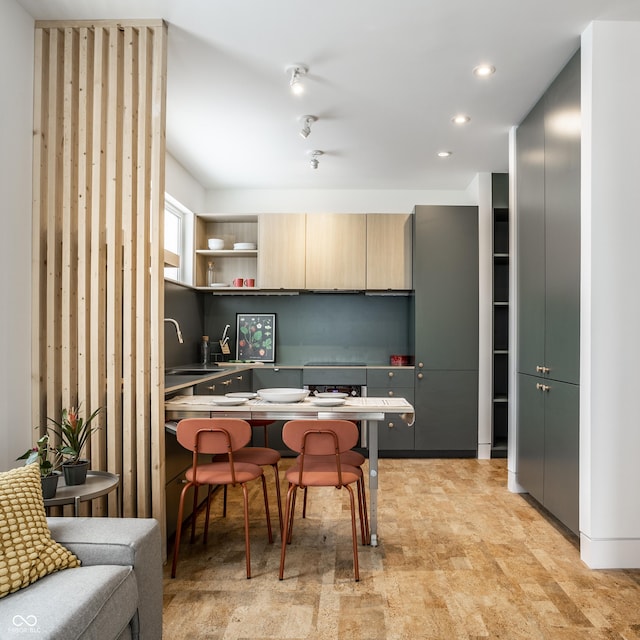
(256, 336)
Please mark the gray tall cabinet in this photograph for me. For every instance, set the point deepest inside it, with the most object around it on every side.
(548, 243)
(445, 279)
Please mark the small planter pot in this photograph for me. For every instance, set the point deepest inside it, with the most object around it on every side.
(49, 485)
(75, 474)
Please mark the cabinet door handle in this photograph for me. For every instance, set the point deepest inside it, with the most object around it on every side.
(211, 388)
(391, 374)
(542, 387)
(391, 425)
(541, 369)
(390, 393)
(420, 365)
(226, 383)
(420, 376)
(239, 378)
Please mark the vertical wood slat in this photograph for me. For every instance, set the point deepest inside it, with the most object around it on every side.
(113, 185)
(143, 262)
(39, 229)
(158, 129)
(98, 234)
(129, 183)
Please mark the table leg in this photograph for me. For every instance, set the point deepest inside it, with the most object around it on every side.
(76, 506)
(373, 480)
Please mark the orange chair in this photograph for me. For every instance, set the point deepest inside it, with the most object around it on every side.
(320, 444)
(214, 436)
(353, 459)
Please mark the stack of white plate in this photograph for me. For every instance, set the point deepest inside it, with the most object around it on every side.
(245, 246)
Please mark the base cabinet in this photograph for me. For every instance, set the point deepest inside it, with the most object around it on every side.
(548, 443)
(446, 403)
(394, 434)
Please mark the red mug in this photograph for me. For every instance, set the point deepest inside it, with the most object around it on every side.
(238, 282)
(249, 282)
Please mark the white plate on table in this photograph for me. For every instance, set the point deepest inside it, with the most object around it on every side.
(327, 402)
(247, 395)
(227, 402)
(331, 394)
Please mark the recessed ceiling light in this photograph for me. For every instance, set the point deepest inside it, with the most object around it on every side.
(460, 119)
(484, 70)
(444, 154)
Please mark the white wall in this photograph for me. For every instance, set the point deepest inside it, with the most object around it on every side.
(182, 186)
(610, 297)
(331, 201)
(16, 122)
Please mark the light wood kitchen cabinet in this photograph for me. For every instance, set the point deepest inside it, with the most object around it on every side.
(389, 254)
(336, 251)
(282, 242)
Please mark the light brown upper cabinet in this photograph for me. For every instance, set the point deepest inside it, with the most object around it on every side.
(336, 251)
(281, 259)
(389, 251)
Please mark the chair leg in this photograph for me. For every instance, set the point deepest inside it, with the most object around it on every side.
(364, 517)
(266, 507)
(278, 498)
(193, 513)
(354, 534)
(288, 515)
(293, 510)
(176, 542)
(247, 546)
(304, 503)
(206, 519)
(224, 501)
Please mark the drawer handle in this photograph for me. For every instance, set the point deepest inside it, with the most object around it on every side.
(390, 393)
(542, 387)
(391, 374)
(541, 369)
(226, 383)
(420, 365)
(420, 376)
(211, 388)
(391, 425)
(239, 378)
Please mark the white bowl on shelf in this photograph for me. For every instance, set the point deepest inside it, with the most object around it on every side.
(215, 244)
(245, 246)
(283, 395)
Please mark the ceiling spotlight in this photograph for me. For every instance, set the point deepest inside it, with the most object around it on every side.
(306, 122)
(460, 119)
(444, 154)
(314, 158)
(296, 71)
(484, 70)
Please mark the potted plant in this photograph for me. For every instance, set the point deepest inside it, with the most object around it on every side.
(48, 459)
(73, 433)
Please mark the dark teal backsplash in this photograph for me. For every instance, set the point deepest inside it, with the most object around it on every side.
(325, 327)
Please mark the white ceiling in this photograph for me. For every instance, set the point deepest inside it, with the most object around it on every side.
(385, 78)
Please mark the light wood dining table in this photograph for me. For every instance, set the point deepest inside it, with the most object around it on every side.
(368, 410)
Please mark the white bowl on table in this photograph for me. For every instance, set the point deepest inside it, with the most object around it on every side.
(283, 395)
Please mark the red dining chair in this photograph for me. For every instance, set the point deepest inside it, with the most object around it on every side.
(212, 436)
(320, 443)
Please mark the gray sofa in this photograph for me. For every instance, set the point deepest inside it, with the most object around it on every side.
(115, 594)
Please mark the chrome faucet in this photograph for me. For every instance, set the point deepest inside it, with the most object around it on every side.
(177, 326)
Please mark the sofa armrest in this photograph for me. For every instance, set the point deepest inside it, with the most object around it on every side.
(121, 541)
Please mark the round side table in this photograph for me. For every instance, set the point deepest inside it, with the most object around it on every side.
(99, 483)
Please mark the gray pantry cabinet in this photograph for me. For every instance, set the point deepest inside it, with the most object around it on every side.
(445, 332)
(548, 238)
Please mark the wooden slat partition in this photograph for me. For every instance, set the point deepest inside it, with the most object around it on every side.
(99, 148)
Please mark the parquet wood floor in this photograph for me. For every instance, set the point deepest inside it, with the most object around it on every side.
(460, 558)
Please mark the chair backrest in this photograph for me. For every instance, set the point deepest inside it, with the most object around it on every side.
(213, 435)
(320, 437)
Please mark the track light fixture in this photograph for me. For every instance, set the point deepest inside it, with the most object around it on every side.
(306, 122)
(315, 154)
(296, 71)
